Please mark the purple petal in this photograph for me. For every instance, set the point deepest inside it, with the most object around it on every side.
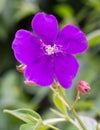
(66, 68)
(46, 27)
(72, 39)
(26, 46)
(40, 71)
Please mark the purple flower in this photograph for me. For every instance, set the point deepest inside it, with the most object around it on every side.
(48, 54)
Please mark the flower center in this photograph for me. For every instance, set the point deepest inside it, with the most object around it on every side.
(51, 49)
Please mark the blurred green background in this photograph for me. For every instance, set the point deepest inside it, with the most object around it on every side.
(17, 14)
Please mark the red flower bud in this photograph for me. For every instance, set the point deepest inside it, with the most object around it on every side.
(83, 87)
(21, 68)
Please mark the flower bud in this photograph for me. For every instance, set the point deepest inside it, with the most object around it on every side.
(83, 87)
(30, 83)
(21, 68)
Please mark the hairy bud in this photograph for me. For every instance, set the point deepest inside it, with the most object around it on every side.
(84, 87)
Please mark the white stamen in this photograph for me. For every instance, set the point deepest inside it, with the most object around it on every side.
(51, 49)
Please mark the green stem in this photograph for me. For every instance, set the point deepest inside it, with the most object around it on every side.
(78, 119)
(76, 99)
(69, 106)
(75, 114)
(74, 123)
(73, 110)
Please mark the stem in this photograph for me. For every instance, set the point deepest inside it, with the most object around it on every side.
(51, 126)
(74, 112)
(69, 106)
(74, 123)
(60, 97)
(76, 99)
(76, 115)
(78, 119)
(53, 121)
(57, 113)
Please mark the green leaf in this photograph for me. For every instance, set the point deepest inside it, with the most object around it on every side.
(45, 124)
(36, 126)
(2, 5)
(57, 113)
(64, 10)
(25, 9)
(58, 102)
(94, 38)
(94, 3)
(45, 127)
(27, 115)
(51, 126)
(90, 123)
(27, 127)
(40, 126)
(54, 120)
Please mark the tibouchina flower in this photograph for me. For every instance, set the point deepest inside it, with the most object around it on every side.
(47, 53)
